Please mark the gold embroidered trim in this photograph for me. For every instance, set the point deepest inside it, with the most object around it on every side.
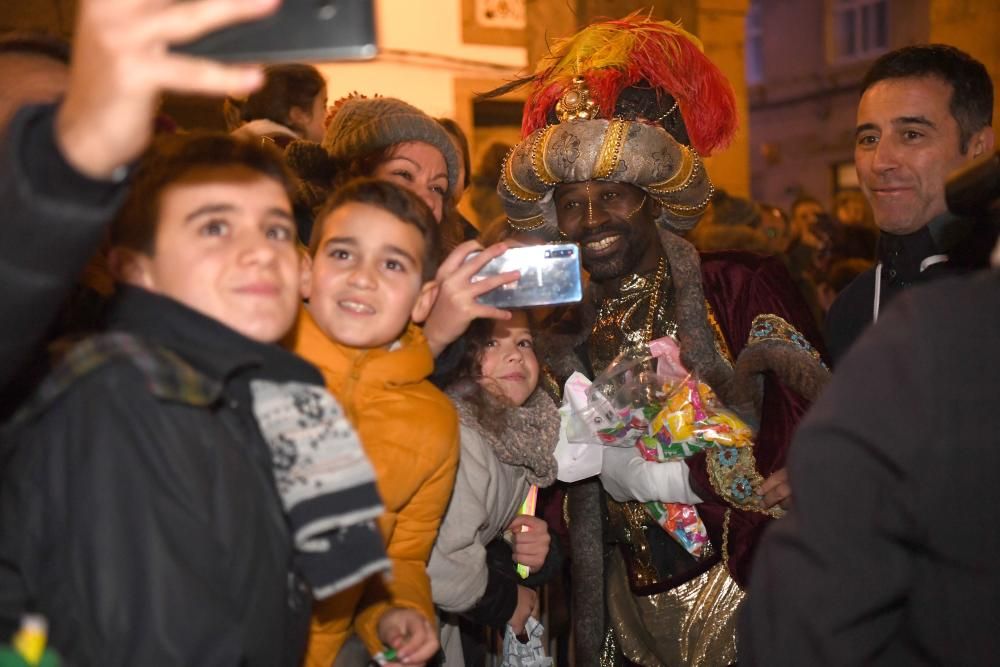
(690, 161)
(539, 149)
(768, 326)
(725, 537)
(526, 224)
(611, 148)
(720, 340)
(513, 187)
(733, 474)
(691, 210)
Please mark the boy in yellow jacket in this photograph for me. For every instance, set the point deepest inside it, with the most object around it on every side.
(369, 276)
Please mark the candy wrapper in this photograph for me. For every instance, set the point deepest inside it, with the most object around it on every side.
(653, 403)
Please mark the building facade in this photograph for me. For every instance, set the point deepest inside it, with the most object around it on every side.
(805, 62)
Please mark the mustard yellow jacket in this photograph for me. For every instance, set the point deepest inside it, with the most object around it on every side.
(409, 430)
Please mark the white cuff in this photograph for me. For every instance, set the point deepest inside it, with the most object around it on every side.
(627, 476)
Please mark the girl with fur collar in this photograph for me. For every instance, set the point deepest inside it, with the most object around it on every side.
(509, 430)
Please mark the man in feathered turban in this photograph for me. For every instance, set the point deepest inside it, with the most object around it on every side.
(615, 125)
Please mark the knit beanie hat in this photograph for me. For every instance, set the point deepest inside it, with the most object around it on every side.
(363, 126)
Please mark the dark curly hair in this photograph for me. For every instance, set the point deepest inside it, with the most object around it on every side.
(489, 408)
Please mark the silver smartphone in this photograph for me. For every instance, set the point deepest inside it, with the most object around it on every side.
(550, 274)
(300, 31)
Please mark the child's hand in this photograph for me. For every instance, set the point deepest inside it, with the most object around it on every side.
(410, 633)
(531, 546)
(527, 600)
(456, 304)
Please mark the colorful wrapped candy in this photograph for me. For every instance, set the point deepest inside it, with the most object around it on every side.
(653, 403)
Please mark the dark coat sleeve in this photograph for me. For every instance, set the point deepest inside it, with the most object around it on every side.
(51, 222)
(106, 528)
(500, 599)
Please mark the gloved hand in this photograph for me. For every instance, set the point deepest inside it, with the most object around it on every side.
(625, 475)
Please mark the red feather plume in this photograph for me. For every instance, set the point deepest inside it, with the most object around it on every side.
(613, 55)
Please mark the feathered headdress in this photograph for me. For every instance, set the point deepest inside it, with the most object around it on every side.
(614, 55)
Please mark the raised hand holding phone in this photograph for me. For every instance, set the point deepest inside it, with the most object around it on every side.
(122, 63)
(456, 304)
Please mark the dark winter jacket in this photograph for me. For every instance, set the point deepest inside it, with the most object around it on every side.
(138, 509)
(889, 553)
(946, 247)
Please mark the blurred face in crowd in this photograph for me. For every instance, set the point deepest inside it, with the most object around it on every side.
(774, 226)
(420, 168)
(613, 223)
(365, 282)
(804, 216)
(311, 121)
(907, 143)
(28, 79)
(225, 246)
(508, 365)
(850, 208)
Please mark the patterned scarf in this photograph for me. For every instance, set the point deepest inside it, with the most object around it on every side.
(326, 483)
(524, 436)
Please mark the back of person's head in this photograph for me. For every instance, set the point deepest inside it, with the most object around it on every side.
(804, 200)
(462, 143)
(490, 165)
(363, 132)
(402, 204)
(173, 158)
(34, 68)
(971, 89)
(286, 87)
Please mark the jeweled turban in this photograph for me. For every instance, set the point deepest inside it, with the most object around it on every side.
(631, 101)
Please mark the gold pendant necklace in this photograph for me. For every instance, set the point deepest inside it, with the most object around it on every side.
(654, 304)
(654, 300)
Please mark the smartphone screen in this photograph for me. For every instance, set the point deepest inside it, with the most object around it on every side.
(550, 274)
(300, 31)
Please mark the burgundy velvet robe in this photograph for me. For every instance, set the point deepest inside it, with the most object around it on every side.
(740, 286)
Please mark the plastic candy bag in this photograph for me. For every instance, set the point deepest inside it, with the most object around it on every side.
(528, 654)
(653, 403)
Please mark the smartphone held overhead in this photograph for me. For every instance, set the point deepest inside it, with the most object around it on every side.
(300, 31)
(550, 274)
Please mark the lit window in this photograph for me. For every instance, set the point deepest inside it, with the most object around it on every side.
(754, 45)
(860, 28)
